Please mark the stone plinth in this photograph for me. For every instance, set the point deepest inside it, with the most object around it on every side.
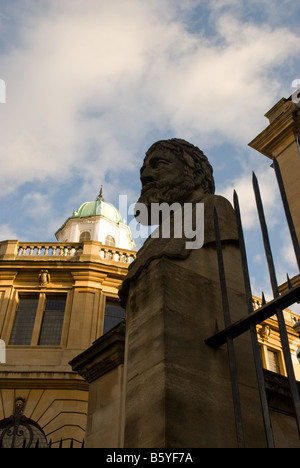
(178, 391)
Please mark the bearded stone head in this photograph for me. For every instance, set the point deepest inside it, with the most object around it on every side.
(19, 405)
(174, 170)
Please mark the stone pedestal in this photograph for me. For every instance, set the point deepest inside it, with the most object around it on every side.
(102, 366)
(178, 391)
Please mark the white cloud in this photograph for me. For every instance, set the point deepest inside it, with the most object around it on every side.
(7, 232)
(104, 74)
(90, 84)
(244, 189)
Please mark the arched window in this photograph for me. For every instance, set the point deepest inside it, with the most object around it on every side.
(85, 235)
(17, 431)
(109, 240)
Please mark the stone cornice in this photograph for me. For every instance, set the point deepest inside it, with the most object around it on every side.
(7, 380)
(282, 131)
(105, 354)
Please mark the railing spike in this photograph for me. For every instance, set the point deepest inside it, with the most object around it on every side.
(230, 344)
(253, 333)
(289, 281)
(279, 312)
(265, 236)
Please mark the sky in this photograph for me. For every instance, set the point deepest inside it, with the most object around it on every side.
(91, 84)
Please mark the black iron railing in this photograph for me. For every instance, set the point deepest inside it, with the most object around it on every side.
(267, 310)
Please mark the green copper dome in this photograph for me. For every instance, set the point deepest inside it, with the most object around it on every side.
(98, 208)
(94, 209)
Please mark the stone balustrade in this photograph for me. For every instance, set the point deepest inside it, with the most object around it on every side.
(76, 251)
(47, 249)
(290, 317)
(256, 302)
(117, 255)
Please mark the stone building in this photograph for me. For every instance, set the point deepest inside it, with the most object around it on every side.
(56, 299)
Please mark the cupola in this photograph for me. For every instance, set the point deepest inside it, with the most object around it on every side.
(98, 221)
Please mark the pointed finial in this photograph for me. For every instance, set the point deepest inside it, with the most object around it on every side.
(263, 299)
(289, 282)
(100, 197)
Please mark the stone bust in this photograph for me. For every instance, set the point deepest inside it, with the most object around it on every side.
(175, 171)
(19, 405)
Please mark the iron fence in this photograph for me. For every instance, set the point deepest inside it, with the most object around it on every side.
(267, 310)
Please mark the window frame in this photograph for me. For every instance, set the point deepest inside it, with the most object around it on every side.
(278, 357)
(37, 328)
(117, 302)
(110, 241)
(14, 316)
(47, 296)
(85, 232)
(265, 348)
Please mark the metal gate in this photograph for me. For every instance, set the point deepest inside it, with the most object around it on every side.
(17, 431)
(267, 310)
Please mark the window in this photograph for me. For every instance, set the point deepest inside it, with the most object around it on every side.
(273, 359)
(24, 320)
(38, 320)
(113, 315)
(109, 240)
(85, 236)
(53, 319)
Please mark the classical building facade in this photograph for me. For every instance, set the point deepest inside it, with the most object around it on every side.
(270, 342)
(56, 299)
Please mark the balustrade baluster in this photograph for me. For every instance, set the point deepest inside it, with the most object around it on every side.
(70, 250)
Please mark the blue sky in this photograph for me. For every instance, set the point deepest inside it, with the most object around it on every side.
(92, 84)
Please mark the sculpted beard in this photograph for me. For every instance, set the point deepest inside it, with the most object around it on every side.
(159, 192)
